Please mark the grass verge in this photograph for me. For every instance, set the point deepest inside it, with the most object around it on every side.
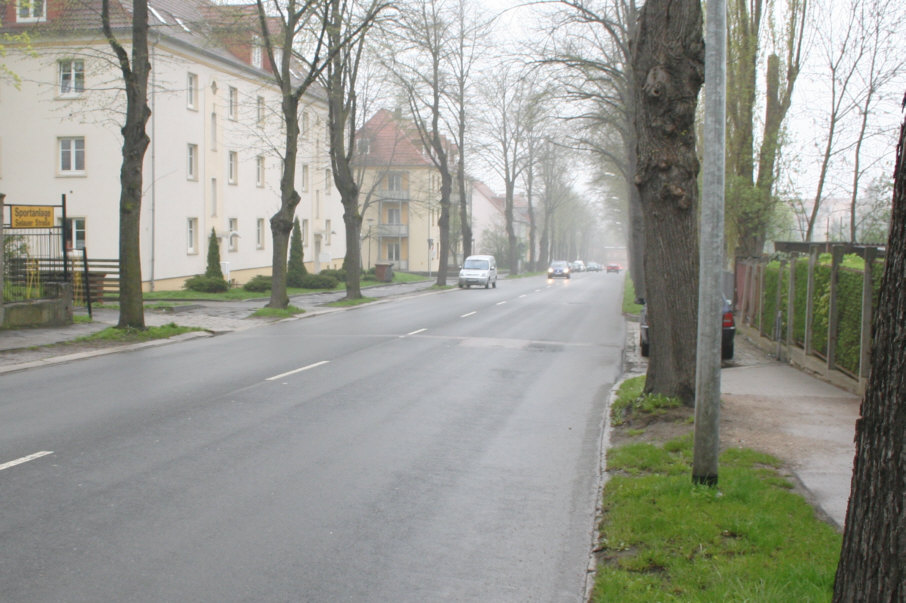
(629, 305)
(631, 402)
(113, 334)
(749, 539)
(287, 312)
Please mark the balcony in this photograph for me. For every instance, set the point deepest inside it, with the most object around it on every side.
(388, 195)
(395, 231)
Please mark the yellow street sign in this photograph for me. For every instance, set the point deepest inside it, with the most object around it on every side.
(31, 216)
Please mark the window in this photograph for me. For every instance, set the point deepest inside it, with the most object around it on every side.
(260, 111)
(234, 103)
(327, 232)
(393, 215)
(317, 204)
(72, 155)
(192, 235)
(192, 162)
(394, 182)
(259, 171)
(256, 52)
(30, 10)
(192, 91)
(364, 146)
(304, 125)
(305, 178)
(328, 181)
(260, 234)
(72, 77)
(233, 168)
(393, 251)
(75, 233)
(305, 232)
(233, 234)
(213, 196)
(213, 131)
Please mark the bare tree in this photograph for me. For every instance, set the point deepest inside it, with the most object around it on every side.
(871, 564)
(880, 22)
(348, 24)
(135, 143)
(425, 33)
(590, 48)
(296, 32)
(668, 69)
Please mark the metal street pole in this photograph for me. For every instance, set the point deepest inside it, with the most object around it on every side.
(708, 353)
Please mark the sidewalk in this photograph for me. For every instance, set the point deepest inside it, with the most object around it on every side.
(772, 407)
(24, 348)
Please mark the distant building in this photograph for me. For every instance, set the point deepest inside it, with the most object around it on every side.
(216, 137)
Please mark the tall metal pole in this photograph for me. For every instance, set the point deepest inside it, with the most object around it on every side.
(707, 373)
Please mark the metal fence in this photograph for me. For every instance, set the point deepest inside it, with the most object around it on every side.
(32, 257)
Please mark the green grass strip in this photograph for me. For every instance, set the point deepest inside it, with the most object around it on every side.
(749, 539)
(130, 335)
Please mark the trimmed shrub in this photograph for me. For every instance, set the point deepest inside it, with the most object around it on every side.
(207, 284)
(340, 274)
(295, 269)
(319, 281)
(258, 283)
(213, 270)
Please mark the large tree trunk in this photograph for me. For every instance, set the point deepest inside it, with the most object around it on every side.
(873, 559)
(135, 143)
(668, 67)
(282, 220)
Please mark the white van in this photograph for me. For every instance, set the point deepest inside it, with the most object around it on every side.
(478, 270)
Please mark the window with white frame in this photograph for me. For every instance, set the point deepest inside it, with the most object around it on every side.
(304, 125)
(75, 233)
(192, 162)
(394, 182)
(305, 231)
(213, 130)
(260, 111)
(260, 234)
(233, 168)
(233, 234)
(305, 178)
(213, 196)
(72, 77)
(327, 232)
(30, 10)
(393, 215)
(393, 250)
(192, 91)
(328, 181)
(234, 103)
(256, 52)
(192, 235)
(259, 170)
(72, 155)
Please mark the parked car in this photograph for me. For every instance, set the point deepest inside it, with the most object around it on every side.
(558, 269)
(577, 266)
(614, 268)
(726, 344)
(594, 267)
(478, 270)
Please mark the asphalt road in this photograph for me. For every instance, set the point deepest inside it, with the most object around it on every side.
(440, 447)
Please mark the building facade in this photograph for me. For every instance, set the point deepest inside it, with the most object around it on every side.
(216, 130)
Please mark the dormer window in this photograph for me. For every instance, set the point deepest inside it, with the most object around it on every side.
(30, 10)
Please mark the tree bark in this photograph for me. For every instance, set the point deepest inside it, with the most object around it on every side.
(135, 143)
(873, 559)
(668, 68)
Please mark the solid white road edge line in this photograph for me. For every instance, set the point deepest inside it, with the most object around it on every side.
(416, 332)
(298, 370)
(25, 459)
(501, 303)
(468, 315)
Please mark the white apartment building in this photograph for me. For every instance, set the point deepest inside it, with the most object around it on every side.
(214, 160)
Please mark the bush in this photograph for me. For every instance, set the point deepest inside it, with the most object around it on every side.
(340, 274)
(207, 284)
(319, 281)
(295, 269)
(258, 283)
